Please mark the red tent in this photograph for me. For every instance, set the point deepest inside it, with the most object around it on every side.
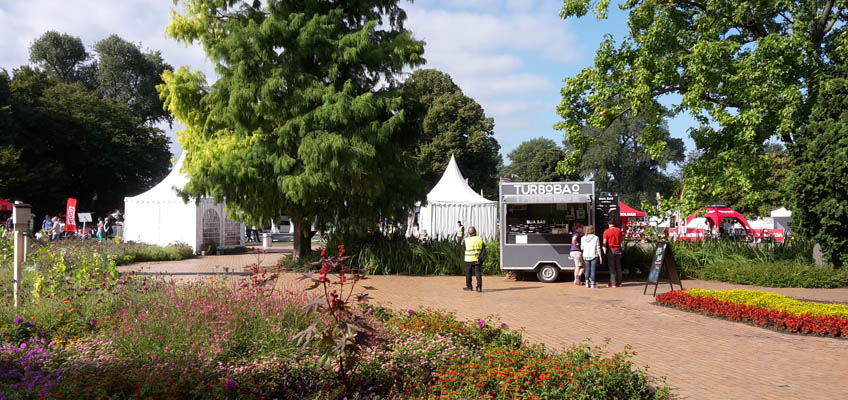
(718, 213)
(626, 212)
(5, 206)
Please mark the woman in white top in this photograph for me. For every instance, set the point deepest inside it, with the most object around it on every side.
(592, 255)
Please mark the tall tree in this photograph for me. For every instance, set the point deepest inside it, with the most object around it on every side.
(451, 124)
(120, 70)
(64, 141)
(306, 118)
(60, 54)
(819, 177)
(618, 162)
(748, 72)
(128, 75)
(536, 160)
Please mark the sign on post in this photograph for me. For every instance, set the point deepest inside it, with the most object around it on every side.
(663, 257)
(20, 217)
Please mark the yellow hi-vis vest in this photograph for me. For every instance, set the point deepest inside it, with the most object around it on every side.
(473, 247)
(460, 232)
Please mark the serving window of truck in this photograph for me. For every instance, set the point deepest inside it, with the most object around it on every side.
(536, 223)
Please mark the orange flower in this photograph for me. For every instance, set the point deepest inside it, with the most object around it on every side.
(66, 301)
(61, 315)
(70, 310)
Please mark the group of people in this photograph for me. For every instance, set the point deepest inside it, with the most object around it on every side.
(54, 228)
(589, 251)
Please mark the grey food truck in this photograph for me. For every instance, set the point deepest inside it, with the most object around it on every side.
(536, 220)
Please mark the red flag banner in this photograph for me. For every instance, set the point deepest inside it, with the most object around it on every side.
(71, 216)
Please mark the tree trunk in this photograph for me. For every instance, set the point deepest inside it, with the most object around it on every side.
(302, 243)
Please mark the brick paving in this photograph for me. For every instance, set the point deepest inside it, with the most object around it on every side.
(702, 357)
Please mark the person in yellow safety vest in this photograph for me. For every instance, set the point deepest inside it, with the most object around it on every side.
(460, 231)
(475, 253)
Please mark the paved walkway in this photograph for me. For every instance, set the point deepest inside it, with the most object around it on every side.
(702, 357)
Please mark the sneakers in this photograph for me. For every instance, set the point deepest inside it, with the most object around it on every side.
(588, 284)
(479, 290)
(467, 288)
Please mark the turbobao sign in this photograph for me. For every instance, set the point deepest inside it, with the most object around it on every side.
(547, 188)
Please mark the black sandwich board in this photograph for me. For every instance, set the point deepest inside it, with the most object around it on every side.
(663, 257)
(606, 208)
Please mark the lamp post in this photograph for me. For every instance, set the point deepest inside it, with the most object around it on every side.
(20, 217)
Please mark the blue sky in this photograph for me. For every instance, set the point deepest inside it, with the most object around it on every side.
(509, 55)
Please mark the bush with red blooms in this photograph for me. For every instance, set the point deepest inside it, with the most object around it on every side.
(340, 333)
(830, 325)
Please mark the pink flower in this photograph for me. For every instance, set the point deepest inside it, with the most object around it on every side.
(503, 325)
(480, 323)
(410, 312)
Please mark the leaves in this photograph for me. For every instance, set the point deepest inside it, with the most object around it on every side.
(746, 72)
(306, 118)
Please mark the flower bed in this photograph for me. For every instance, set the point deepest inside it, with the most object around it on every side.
(138, 337)
(763, 309)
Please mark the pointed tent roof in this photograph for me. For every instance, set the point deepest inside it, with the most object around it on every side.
(781, 212)
(166, 189)
(452, 188)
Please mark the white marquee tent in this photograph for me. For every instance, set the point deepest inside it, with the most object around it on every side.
(159, 216)
(452, 200)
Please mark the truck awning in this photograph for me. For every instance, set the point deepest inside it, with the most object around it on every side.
(547, 198)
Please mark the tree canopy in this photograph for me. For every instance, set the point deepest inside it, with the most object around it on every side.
(819, 177)
(60, 140)
(119, 70)
(746, 71)
(306, 119)
(618, 162)
(451, 123)
(536, 160)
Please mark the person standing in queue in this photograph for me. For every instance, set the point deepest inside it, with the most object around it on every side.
(612, 241)
(576, 253)
(460, 232)
(592, 255)
(475, 253)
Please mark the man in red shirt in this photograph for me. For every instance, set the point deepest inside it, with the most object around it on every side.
(612, 241)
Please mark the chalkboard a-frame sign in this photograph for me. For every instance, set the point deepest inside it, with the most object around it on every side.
(663, 257)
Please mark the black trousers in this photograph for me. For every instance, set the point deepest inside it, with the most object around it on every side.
(477, 270)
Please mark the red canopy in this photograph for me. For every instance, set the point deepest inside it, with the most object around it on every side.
(716, 214)
(626, 211)
(5, 206)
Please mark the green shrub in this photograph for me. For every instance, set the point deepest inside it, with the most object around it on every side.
(398, 255)
(775, 274)
(692, 257)
(635, 256)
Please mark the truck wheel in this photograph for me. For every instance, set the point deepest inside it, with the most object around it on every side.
(548, 273)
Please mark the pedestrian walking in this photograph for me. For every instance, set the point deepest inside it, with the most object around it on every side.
(592, 255)
(612, 242)
(460, 232)
(475, 253)
(576, 254)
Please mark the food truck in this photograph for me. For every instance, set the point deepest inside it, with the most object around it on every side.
(536, 220)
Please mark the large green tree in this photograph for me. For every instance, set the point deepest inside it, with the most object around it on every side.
(118, 70)
(536, 160)
(818, 182)
(60, 140)
(60, 54)
(747, 71)
(451, 123)
(306, 118)
(618, 162)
